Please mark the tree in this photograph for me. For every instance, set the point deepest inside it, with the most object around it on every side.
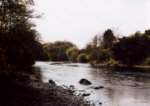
(57, 51)
(40, 54)
(72, 54)
(95, 41)
(82, 58)
(108, 38)
(17, 37)
(15, 13)
(133, 49)
(99, 49)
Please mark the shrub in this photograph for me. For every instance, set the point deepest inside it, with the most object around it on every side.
(73, 57)
(72, 54)
(113, 63)
(82, 58)
(147, 61)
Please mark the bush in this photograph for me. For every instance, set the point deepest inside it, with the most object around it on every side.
(73, 57)
(132, 50)
(72, 54)
(113, 63)
(147, 61)
(82, 58)
(57, 51)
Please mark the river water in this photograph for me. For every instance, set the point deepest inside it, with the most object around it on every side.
(122, 87)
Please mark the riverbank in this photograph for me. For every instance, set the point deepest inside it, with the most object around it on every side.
(99, 65)
(22, 89)
(52, 95)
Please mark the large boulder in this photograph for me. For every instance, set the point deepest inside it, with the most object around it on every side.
(85, 82)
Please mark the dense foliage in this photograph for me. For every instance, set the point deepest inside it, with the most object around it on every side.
(99, 48)
(83, 58)
(57, 51)
(20, 46)
(18, 39)
(72, 54)
(105, 49)
(133, 49)
(40, 54)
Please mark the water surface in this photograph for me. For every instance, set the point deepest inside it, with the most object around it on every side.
(122, 87)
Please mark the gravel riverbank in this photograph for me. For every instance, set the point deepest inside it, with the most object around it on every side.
(52, 95)
(21, 89)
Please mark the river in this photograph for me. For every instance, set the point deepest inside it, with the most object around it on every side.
(122, 87)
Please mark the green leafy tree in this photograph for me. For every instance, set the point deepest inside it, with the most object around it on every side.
(72, 54)
(40, 54)
(82, 58)
(133, 49)
(17, 37)
(57, 51)
(108, 38)
(99, 49)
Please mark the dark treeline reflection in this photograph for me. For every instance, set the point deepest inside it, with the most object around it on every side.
(124, 75)
(124, 86)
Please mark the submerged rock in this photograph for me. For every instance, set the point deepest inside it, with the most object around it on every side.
(71, 86)
(100, 103)
(99, 87)
(85, 82)
(86, 94)
(52, 82)
(57, 63)
(73, 65)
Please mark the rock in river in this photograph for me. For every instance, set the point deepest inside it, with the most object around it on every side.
(99, 87)
(52, 82)
(85, 82)
(57, 63)
(86, 94)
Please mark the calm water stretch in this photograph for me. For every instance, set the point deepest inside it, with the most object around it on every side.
(122, 87)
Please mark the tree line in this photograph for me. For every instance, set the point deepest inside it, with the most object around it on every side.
(127, 50)
(104, 49)
(19, 41)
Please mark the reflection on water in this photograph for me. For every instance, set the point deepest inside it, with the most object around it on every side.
(122, 87)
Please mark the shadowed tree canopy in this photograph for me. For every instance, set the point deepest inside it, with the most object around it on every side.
(108, 38)
(18, 39)
(83, 58)
(15, 14)
(57, 51)
(133, 49)
(99, 48)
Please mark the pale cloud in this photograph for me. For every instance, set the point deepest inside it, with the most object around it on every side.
(79, 20)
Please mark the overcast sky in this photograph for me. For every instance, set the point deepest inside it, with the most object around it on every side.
(79, 20)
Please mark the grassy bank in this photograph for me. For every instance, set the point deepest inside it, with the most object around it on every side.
(117, 64)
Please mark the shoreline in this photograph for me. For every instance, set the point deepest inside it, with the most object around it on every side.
(54, 95)
(119, 66)
(24, 89)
